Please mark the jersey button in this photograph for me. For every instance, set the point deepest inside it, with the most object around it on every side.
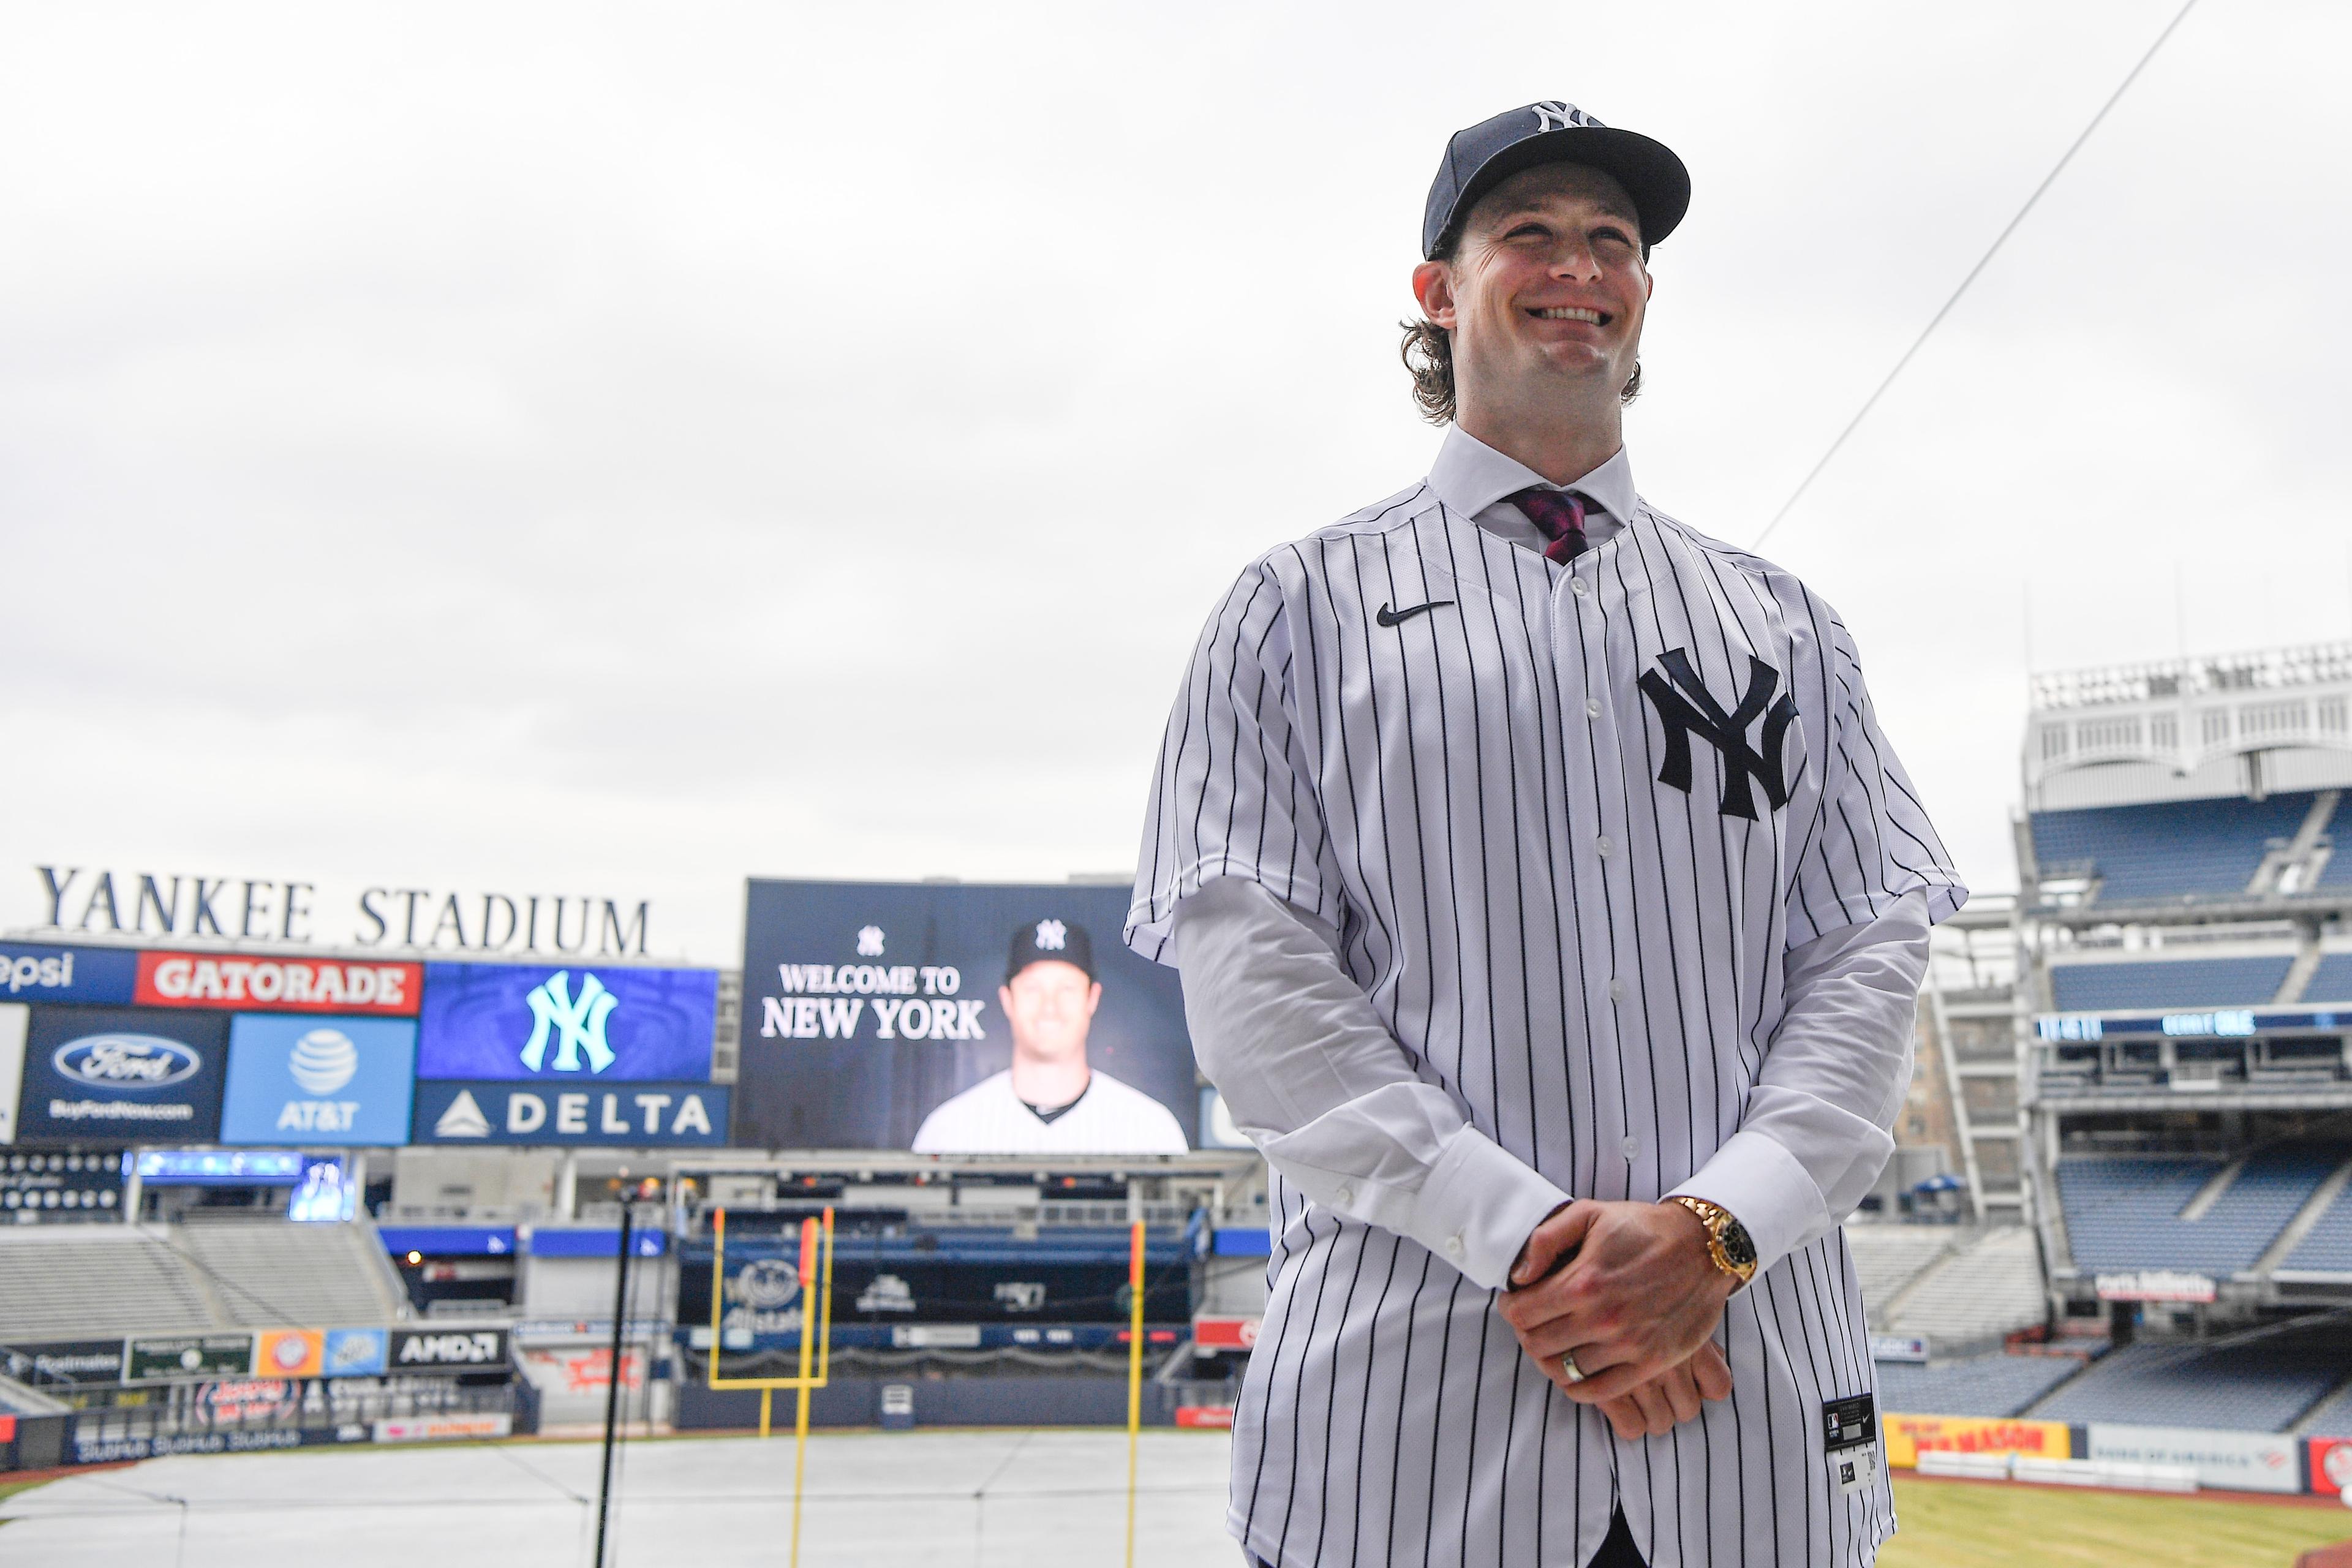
(1577, 587)
(1603, 845)
(1592, 708)
(1633, 1147)
(1453, 1247)
(1347, 1196)
(1616, 990)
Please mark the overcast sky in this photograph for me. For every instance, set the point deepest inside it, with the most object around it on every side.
(587, 450)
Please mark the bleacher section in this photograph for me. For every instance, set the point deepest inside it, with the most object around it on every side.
(2328, 1247)
(1975, 1296)
(2178, 982)
(2124, 1212)
(267, 1272)
(2331, 981)
(2331, 1417)
(83, 1282)
(86, 1280)
(1887, 1257)
(2257, 1387)
(2169, 849)
(1997, 1386)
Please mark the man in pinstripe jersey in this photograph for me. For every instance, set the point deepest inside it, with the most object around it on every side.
(1550, 909)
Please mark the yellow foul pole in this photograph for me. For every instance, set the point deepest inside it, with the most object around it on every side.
(1134, 1372)
(808, 1336)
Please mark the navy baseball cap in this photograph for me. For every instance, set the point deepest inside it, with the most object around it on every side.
(1055, 941)
(1479, 159)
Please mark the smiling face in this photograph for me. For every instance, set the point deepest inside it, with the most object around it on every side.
(1050, 1005)
(1544, 293)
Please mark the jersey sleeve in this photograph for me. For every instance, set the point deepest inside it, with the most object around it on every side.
(1870, 842)
(1234, 791)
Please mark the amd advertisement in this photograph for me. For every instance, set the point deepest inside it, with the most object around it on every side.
(956, 1018)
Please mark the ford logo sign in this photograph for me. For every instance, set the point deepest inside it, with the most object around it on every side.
(126, 1061)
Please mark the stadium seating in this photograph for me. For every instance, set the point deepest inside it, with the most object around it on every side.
(2258, 1387)
(2176, 983)
(2331, 1417)
(76, 1281)
(2329, 1246)
(2167, 850)
(1998, 1386)
(1975, 1296)
(1887, 1257)
(2124, 1212)
(267, 1272)
(2331, 981)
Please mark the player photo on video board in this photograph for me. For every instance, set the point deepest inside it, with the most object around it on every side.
(956, 1018)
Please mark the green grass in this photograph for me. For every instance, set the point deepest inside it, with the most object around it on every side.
(1967, 1524)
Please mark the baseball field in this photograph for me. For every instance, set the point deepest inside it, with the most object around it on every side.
(1966, 1524)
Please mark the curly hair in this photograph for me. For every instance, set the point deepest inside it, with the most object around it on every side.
(1428, 354)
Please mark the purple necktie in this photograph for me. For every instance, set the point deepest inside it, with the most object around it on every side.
(1561, 515)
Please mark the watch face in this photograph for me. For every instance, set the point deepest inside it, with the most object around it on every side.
(1737, 1247)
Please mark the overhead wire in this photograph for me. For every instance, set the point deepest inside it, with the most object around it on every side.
(1974, 272)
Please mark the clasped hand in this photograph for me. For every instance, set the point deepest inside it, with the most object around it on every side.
(1629, 1289)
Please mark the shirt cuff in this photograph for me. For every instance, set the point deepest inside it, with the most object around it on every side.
(1478, 1205)
(1760, 1184)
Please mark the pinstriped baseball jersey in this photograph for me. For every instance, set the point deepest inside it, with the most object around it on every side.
(1567, 820)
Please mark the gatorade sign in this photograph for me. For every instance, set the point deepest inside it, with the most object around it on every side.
(279, 984)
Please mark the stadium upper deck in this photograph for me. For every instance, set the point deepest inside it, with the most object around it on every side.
(2189, 979)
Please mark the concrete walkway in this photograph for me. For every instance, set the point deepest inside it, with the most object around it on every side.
(914, 1499)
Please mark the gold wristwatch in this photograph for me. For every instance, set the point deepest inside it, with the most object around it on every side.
(1729, 1245)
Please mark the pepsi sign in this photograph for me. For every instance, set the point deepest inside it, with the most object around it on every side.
(581, 1024)
(120, 1075)
(39, 973)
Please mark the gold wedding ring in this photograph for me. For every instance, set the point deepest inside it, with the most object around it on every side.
(1567, 1369)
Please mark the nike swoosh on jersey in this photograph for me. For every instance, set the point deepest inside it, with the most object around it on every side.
(1389, 617)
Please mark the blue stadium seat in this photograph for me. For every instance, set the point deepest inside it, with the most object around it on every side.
(1979, 1385)
(2124, 1212)
(2328, 1247)
(2331, 981)
(2178, 982)
(2259, 1387)
(2169, 849)
(2333, 1418)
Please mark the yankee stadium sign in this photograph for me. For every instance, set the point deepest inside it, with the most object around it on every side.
(273, 910)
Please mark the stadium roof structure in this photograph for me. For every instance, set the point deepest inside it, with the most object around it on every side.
(2184, 729)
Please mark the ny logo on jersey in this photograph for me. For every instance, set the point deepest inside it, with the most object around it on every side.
(576, 1025)
(1686, 708)
(1556, 116)
(1053, 936)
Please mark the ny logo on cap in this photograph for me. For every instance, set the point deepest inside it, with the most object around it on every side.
(1053, 936)
(1557, 116)
(1693, 709)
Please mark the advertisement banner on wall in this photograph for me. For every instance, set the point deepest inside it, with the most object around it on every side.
(91, 976)
(355, 1352)
(2331, 1465)
(99, 1075)
(1907, 1436)
(622, 1115)
(446, 1350)
(443, 1428)
(345, 1082)
(60, 1186)
(582, 1024)
(291, 1352)
(242, 983)
(2234, 1461)
(47, 1362)
(179, 1358)
(958, 1018)
(16, 1019)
